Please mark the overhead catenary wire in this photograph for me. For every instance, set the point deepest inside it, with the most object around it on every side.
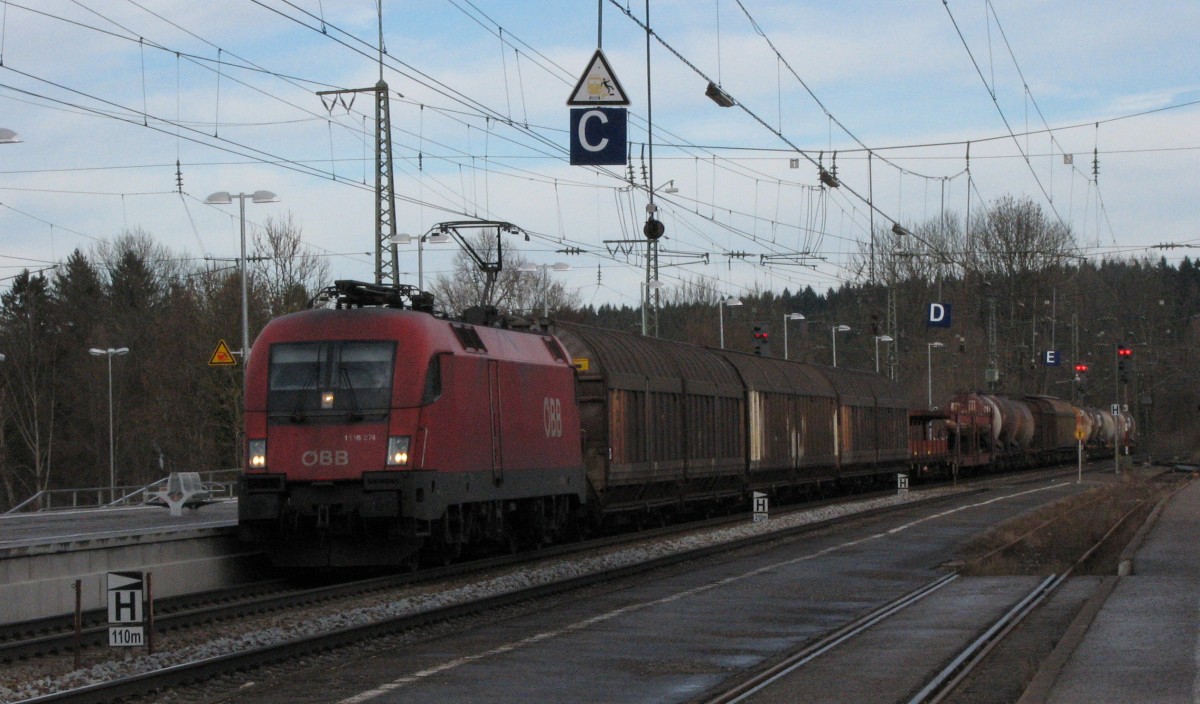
(494, 163)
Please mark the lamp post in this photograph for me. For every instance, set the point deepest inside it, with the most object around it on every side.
(786, 318)
(545, 268)
(929, 369)
(434, 236)
(878, 339)
(645, 287)
(721, 305)
(833, 331)
(7, 136)
(112, 464)
(225, 198)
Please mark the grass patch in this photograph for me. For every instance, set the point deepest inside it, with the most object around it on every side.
(1051, 539)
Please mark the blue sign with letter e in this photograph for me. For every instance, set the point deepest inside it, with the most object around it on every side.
(938, 316)
(1053, 358)
(598, 136)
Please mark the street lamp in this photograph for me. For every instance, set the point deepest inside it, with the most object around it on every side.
(645, 289)
(7, 136)
(112, 465)
(878, 339)
(557, 266)
(833, 331)
(435, 236)
(929, 368)
(721, 305)
(668, 187)
(225, 198)
(786, 318)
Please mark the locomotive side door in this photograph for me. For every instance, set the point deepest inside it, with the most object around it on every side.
(496, 410)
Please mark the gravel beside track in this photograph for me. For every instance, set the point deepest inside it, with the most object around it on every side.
(23, 681)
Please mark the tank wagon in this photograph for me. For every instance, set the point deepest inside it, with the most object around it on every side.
(376, 431)
(1000, 431)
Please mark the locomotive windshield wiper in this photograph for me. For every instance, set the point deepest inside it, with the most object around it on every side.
(353, 414)
(298, 415)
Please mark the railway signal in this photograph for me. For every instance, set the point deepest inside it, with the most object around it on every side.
(762, 341)
(1124, 362)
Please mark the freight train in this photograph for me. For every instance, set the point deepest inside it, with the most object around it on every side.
(378, 433)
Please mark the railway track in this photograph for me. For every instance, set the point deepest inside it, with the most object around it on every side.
(30, 639)
(56, 634)
(277, 598)
(123, 687)
(944, 681)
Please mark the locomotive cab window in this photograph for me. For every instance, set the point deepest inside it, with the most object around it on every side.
(320, 379)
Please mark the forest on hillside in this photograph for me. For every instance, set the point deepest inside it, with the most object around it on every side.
(1012, 280)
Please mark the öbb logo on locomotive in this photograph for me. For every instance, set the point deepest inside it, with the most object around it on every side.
(325, 458)
(552, 417)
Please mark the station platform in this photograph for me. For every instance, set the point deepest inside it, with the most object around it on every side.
(27, 532)
(1139, 638)
(42, 555)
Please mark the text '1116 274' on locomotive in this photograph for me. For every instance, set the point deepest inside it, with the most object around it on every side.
(378, 432)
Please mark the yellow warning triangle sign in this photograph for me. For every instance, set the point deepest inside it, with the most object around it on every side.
(222, 357)
(598, 85)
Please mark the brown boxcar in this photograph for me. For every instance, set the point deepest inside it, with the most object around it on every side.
(1054, 426)
(790, 423)
(660, 419)
(666, 422)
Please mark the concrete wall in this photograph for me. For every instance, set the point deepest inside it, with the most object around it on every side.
(39, 581)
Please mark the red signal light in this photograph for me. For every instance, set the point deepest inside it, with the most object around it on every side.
(1081, 367)
(1125, 351)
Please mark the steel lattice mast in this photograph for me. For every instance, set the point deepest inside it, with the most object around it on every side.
(387, 268)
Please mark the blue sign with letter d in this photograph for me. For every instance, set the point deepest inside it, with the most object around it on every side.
(939, 315)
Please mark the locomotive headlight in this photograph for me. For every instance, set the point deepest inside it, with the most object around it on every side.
(397, 450)
(326, 399)
(256, 454)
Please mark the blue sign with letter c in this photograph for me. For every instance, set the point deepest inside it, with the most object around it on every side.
(598, 136)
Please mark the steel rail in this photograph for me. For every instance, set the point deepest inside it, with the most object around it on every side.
(945, 680)
(760, 680)
(949, 678)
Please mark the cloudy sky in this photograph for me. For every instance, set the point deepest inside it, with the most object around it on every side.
(108, 96)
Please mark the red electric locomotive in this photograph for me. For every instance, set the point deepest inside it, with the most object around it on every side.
(372, 432)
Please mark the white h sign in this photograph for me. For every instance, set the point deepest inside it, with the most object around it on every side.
(760, 506)
(125, 607)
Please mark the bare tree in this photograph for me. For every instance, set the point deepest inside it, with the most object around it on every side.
(288, 273)
(1014, 238)
(931, 251)
(513, 290)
